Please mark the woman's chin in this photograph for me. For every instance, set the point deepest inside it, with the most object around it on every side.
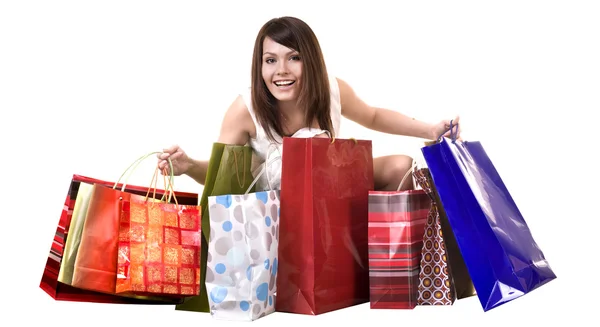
(285, 97)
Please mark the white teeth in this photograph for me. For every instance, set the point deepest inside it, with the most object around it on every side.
(283, 83)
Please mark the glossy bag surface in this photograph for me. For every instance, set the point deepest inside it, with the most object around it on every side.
(502, 257)
(58, 272)
(242, 261)
(242, 255)
(135, 244)
(323, 246)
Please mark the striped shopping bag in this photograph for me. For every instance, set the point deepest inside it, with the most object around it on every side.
(396, 226)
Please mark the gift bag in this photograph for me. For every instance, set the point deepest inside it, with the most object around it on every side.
(71, 248)
(229, 172)
(109, 219)
(443, 277)
(242, 255)
(242, 252)
(323, 250)
(396, 225)
(159, 248)
(56, 282)
(502, 257)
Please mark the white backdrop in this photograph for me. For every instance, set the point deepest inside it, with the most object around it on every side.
(86, 88)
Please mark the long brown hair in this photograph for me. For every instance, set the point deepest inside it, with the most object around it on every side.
(314, 97)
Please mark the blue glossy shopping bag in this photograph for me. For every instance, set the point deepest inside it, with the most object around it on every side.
(501, 255)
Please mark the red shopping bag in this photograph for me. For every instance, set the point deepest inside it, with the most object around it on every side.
(396, 225)
(323, 254)
(65, 292)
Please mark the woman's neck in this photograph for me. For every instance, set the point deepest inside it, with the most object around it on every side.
(292, 116)
(288, 107)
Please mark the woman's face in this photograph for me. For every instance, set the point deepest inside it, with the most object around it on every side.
(281, 70)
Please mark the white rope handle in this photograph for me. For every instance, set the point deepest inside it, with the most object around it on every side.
(409, 171)
(264, 168)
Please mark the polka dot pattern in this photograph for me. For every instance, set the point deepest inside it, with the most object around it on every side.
(242, 270)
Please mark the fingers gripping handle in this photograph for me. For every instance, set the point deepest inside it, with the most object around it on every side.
(453, 129)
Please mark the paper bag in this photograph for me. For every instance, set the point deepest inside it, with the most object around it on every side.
(242, 253)
(323, 250)
(502, 257)
(396, 226)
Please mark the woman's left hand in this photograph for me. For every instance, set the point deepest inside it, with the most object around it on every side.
(444, 127)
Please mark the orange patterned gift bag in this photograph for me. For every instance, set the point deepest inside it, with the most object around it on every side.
(159, 247)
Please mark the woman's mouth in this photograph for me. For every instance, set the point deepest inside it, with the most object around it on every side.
(284, 83)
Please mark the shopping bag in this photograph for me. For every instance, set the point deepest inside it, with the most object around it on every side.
(56, 282)
(159, 248)
(71, 247)
(502, 257)
(443, 277)
(242, 253)
(229, 172)
(97, 264)
(323, 250)
(396, 226)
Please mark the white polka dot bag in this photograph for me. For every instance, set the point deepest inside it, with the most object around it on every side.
(241, 267)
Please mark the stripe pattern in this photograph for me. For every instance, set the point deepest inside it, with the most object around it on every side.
(49, 282)
(396, 225)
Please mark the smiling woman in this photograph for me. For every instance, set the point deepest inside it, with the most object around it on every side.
(287, 50)
(281, 83)
(292, 94)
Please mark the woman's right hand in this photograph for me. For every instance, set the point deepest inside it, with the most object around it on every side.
(180, 161)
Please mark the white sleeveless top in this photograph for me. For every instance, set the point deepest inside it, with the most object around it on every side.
(266, 152)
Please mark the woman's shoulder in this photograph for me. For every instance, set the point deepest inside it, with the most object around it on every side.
(239, 115)
(245, 97)
(344, 90)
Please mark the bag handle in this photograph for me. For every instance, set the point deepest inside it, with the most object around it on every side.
(264, 168)
(168, 187)
(134, 166)
(409, 171)
(237, 168)
(453, 132)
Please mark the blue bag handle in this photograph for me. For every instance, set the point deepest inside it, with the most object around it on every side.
(453, 132)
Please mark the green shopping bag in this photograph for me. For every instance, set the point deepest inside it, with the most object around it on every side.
(229, 172)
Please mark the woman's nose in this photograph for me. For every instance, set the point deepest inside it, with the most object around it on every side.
(282, 68)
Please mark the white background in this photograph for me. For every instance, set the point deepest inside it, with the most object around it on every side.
(87, 87)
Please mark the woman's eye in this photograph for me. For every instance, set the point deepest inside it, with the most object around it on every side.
(270, 60)
(295, 57)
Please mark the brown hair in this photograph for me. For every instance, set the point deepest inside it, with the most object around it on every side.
(314, 95)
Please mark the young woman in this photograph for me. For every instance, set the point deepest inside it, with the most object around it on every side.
(291, 94)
